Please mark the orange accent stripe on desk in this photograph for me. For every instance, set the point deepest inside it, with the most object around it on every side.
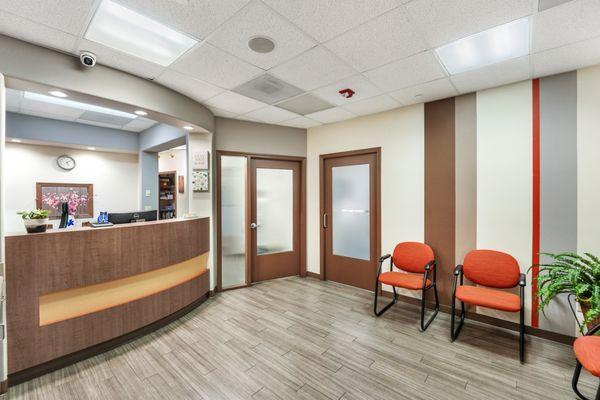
(72, 303)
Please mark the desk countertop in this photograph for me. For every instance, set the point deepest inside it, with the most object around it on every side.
(88, 228)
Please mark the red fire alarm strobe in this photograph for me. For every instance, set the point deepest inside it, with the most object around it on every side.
(347, 93)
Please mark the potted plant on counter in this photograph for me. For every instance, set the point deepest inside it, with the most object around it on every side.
(35, 221)
(573, 274)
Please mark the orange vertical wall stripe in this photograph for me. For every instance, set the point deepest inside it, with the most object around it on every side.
(535, 257)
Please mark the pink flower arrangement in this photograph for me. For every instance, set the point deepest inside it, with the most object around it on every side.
(73, 199)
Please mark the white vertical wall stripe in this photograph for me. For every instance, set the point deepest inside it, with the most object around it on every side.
(588, 160)
(504, 177)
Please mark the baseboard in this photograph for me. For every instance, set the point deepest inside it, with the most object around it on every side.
(61, 362)
(486, 319)
(313, 275)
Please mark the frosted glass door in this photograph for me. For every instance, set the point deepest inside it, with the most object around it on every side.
(350, 206)
(274, 210)
(233, 220)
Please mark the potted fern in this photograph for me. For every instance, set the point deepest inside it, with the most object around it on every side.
(35, 221)
(574, 274)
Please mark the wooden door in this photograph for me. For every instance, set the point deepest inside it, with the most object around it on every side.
(275, 218)
(350, 222)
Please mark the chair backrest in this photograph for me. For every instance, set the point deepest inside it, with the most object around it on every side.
(412, 256)
(491, 268)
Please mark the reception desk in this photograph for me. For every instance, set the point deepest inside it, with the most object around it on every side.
(73, 293)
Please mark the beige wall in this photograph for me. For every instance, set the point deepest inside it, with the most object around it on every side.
(400, 133)
(254, 137)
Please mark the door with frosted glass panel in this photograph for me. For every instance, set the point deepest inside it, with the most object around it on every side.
(275, 222)
(350, 220)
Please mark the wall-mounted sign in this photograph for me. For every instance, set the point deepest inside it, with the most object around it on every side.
(200, 160)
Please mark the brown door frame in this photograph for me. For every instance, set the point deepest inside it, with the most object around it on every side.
(249, 158)
(322, 233)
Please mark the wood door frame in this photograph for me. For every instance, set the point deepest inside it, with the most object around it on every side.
(322, 233)
(218, 238)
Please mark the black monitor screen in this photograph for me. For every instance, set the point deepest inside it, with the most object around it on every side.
(125, 218)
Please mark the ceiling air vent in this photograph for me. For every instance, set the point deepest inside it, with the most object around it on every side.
(268, 89)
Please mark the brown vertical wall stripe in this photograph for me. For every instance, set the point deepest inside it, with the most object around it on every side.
(440, 203)
(466, 175)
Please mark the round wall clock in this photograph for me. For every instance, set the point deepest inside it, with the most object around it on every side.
(65, 162)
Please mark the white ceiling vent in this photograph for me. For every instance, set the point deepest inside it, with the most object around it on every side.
(92, 116)
(268, 89)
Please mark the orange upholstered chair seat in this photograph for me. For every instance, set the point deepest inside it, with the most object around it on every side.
(484, 297)
(403, 280)
(587, 351)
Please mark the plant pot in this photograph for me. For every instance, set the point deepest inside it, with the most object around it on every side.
(585, 307)
(36, 225)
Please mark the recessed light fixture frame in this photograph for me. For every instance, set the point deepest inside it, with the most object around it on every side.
(501, 43)
(130, 32)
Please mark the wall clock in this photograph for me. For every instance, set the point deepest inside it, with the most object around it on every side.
(66, 162)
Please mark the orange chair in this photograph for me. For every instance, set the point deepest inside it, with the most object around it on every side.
(489, 269)
(587, 351)
(417, 260)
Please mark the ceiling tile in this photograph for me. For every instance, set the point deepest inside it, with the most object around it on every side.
(301, 122)
(495, 75)
(118, 60)
(305, 104)
(362, 87)
(195, 17)
(271, 115)
(68, 113)
(268, 89)
(67, 15)
(577, 19)
(546, 4)
(24, 29)
(566, 58)
(44, 114)
(13, 98)
(420, 68)
(387, 38)
(259, 20)
(332, 115)
(443, 21)
(139, 124)
(235, 103)
(372, 105)
(217, 112)
(188, 86)
(324, 19)
(435, 90)
(215, 66)
(315, 68)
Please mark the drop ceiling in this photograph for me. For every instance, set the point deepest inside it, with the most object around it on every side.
(384, 49)
(21, 102)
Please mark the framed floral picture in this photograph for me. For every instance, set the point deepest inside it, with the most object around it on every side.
(200, 181)
(79, 197)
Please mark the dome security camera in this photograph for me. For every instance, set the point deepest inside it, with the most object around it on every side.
(88, 59)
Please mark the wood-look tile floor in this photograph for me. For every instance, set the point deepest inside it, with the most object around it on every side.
(300, 338)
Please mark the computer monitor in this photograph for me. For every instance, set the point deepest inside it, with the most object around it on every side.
(125, 218)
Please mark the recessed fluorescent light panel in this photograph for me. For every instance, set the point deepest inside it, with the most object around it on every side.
(130, 32)
(76, 104)
(492, 46)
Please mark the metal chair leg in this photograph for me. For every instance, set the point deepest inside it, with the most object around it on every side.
(425, 325)
(384, 309)
(522, 336)
(575, 381)
(454, 333)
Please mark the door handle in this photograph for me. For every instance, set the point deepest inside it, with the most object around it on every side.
(254, 225)
(325, 220)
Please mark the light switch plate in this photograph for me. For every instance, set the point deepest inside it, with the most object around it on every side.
(147, 193)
